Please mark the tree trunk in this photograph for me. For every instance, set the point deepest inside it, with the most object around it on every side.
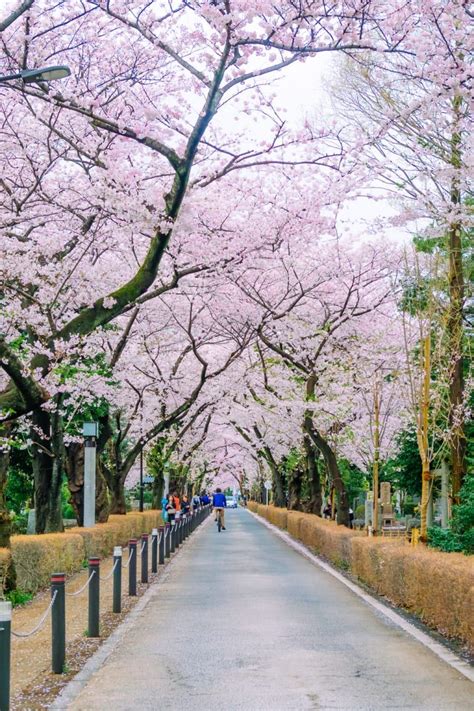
(422, 436)
(158, 488)
(75, 477)
(335, 474)
(456, 309)
(295, 484)
(316, 501)
(102, 507)
(309, 449)
(48, 466)
(116, 487)
(279, 498)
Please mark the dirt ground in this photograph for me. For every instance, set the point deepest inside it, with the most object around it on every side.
(33, 685)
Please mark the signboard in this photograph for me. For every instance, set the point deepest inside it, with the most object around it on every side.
(268, 485)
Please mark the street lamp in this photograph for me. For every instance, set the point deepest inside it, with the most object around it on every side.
(30, 76)
(141, 480)
(90, 430)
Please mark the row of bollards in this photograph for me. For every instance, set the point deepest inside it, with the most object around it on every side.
(164, 541)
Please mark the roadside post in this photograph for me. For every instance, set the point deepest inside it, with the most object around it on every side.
(144, 563)
(5, 653)
(58, 622)
(117, 580)
(161, 545)
(132, 567)
(154, 550)
(94, 597)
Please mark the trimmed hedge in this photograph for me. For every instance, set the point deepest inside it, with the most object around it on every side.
(437, 587)
(4, 565)
(36, 557)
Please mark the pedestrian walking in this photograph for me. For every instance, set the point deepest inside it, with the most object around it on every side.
(177, 504)
(327, 511)
(185, 505)
(170, 508)
(164, 503)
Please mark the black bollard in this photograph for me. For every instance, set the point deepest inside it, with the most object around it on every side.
(5, 653)
(173, 537)
(161, 545)
(144, 565)
(177, 523)
(58, 623)
(94, 597)
(154, 550)
(117, 580)
(132, 567)
(179, 532)
(167, 540)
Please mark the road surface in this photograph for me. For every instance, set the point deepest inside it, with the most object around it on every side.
(245, 622)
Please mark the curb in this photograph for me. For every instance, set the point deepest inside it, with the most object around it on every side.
(438, 649)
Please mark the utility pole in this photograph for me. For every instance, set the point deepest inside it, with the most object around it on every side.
(375, 484)
(141, 479)
(423, 430)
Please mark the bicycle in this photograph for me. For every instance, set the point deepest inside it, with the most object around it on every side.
(219, 513)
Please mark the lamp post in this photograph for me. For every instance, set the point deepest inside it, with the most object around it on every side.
(90, 430)
(30, 76)
(141, 479)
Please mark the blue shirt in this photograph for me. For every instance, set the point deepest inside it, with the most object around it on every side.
(218, 501)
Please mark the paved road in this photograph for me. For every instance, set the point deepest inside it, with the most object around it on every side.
(245, 622)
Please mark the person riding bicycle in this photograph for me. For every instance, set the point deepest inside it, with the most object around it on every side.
(219, 503)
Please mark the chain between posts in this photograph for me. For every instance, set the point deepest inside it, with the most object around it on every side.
(81, 590)
(130, 556)
(57, 607)
(40, 623)
(109, 575)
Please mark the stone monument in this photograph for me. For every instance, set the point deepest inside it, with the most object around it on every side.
(388, 514)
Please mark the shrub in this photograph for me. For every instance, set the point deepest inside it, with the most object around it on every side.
(5, 562)
(444, 539)
(19, 523)
(294, 519)
(460, 537)
(18, 597)
(36, 557)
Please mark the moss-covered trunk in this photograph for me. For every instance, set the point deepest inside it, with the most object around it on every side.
(118, 504)
(335, 475)
(295, 485)
(314, 479)
(75, 475)
(456, 312)
(48, 458)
